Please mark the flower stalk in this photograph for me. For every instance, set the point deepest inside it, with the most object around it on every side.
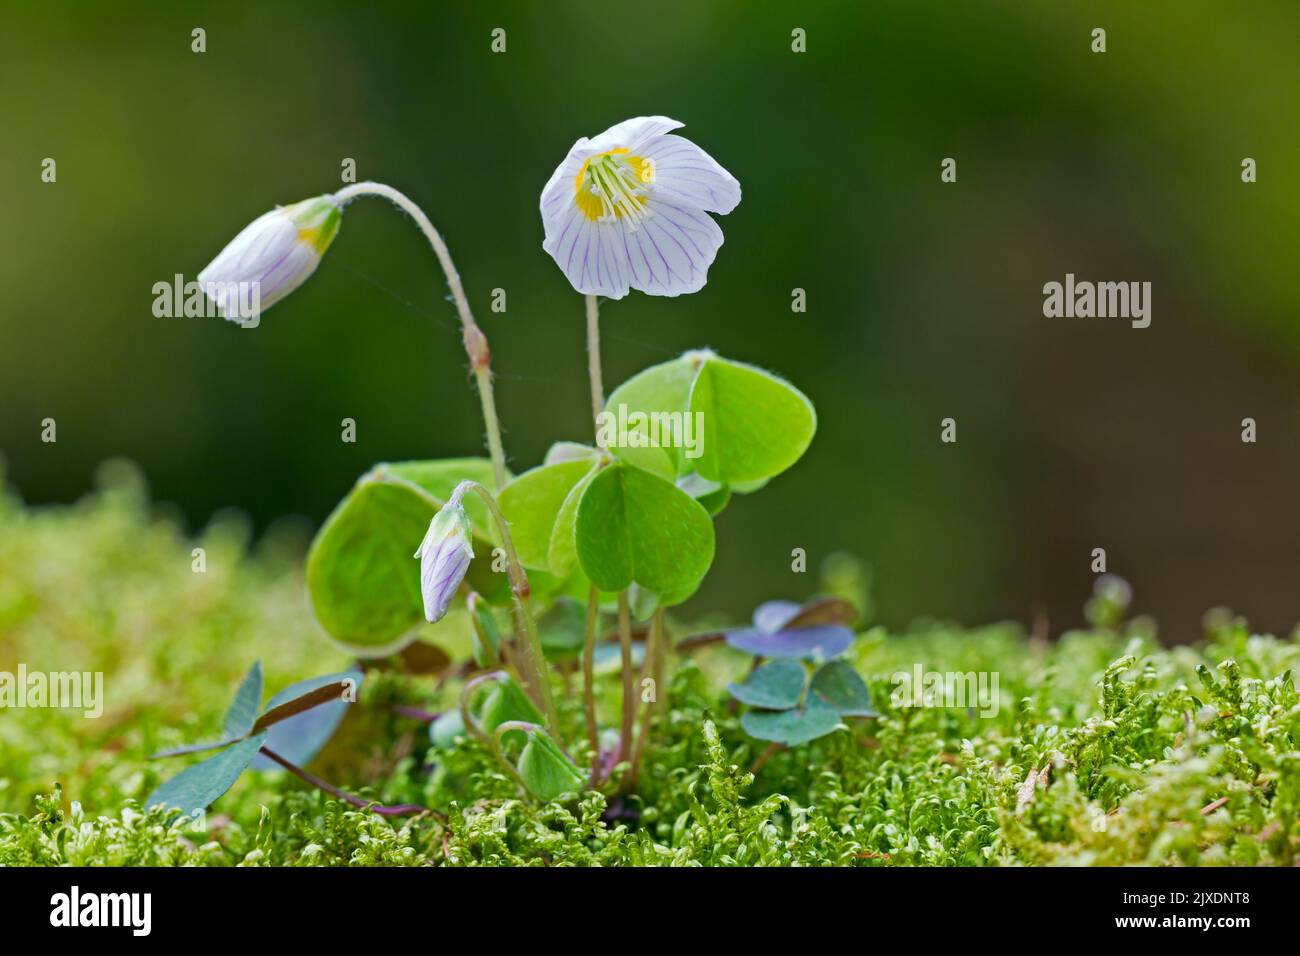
(533, 670)
(654, 648)
(476, 344)
(593, 366)
(589, 685)
(629, 676)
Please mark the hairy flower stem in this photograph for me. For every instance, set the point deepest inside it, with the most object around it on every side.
(593, 365)
(589, 685)
(629, 675)
(476, 344)
(399, 810)
(534, 669)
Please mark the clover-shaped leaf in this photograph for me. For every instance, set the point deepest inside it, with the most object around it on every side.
(194, 788)
(300, 737)
(363, 583)
(771, 616)
(818, 643)
(756, 425)
(775, 686)
(286, 716)
(562, 451)
(788, 715)
(243, 709)
(838, 687)
(562, 550)
(817, 630)
(633, 526)
(790, 727)
(656, 459)
(663, 389)
(532, 502)
(822, 610)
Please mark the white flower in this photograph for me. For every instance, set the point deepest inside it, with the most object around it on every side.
(629, 208)
(445, 554)
(272, 256)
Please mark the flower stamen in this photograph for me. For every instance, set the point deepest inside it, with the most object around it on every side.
(614, 185)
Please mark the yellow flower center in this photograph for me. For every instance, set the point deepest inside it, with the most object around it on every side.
(317, 221)
(614, 185)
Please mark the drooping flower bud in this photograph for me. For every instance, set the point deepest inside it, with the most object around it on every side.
(445, 554)
(271, 257)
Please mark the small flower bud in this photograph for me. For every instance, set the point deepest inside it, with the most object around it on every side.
(445, 554)
(271, 257)
(545, 770)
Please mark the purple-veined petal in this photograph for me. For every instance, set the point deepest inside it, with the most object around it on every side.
(593, 255)
(633, 134)
(270, 257)
(691, 175)
(445, 554)
(557, 195)
(671, 252)
(645, 223)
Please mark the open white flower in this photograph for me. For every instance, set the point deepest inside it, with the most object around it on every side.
(629, 210)
(273, 255)
(445, 554)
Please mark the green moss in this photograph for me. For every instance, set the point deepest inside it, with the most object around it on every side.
(1106, 749)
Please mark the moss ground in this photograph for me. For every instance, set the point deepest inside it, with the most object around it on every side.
(1106, 748)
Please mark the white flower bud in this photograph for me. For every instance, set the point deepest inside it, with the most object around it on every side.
(445, 554)
(271, 257)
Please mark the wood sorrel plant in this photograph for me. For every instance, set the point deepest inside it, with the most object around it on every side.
(624, 524)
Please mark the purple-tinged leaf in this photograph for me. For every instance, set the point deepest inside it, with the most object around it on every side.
(195, 748)
(771, 616)
(333, 690)
(837, 685)
(825, 610)
(790, 727)
(817, 643)
(301, 736)
(775, 686)
(243, 709)
(194, 788)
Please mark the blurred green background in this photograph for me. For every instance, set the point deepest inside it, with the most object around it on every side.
(924, 299)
